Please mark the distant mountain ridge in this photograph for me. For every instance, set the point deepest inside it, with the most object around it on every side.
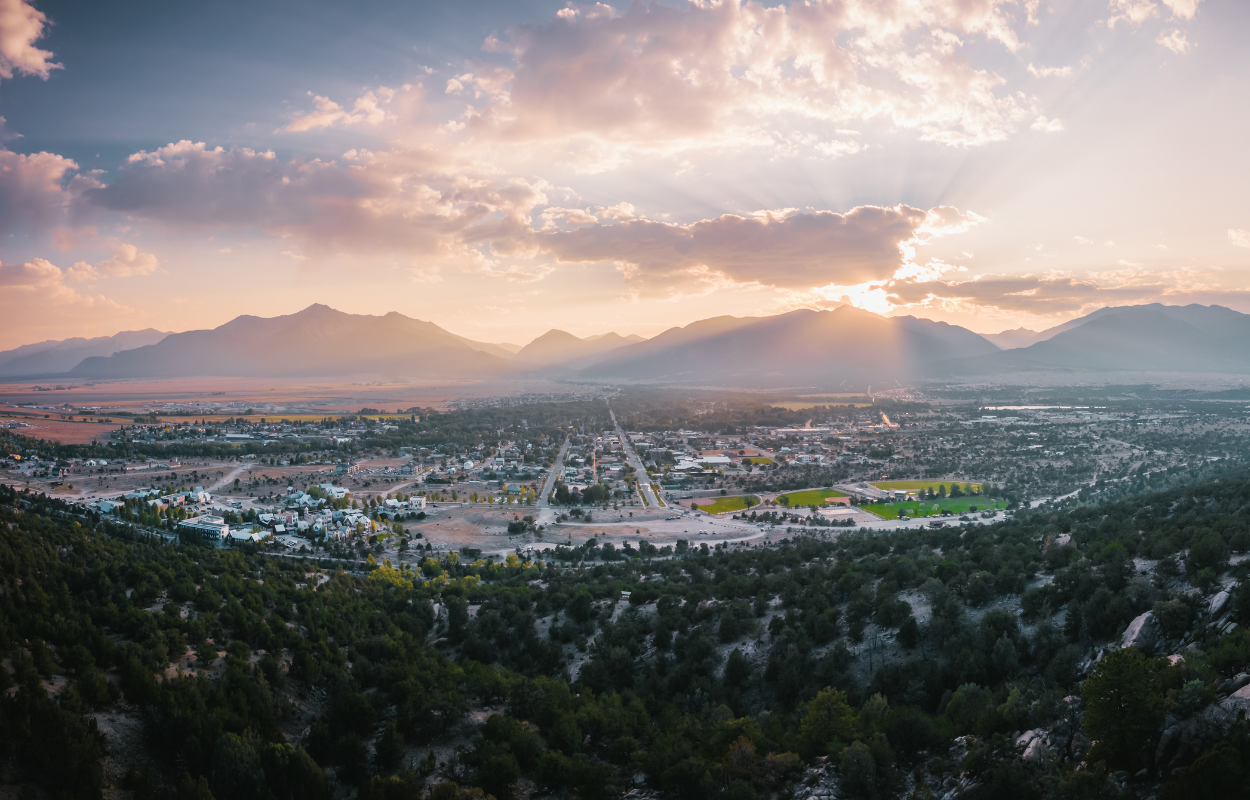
(1145, 338)
(52, 357)
(318, 341)
(560, 347)
(797, 348)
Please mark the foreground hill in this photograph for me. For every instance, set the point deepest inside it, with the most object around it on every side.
(803, 347)
(975, 662)
(1148, 338)
(559, 347)
(52, 357)
(315, 341)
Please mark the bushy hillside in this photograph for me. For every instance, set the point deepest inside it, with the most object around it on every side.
(960, 662)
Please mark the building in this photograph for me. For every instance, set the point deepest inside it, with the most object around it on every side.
(213, 531)
(343, 468)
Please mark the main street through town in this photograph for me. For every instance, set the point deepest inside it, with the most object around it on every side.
(649, 495)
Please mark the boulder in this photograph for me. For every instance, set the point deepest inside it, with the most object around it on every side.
(1217, 604)
(1141, 632)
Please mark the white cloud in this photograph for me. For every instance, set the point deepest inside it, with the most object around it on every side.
(1239, 237)
(1047, 125)
(21, 25)
(1175, 41)
(369, 109)
(126, 261)
(1182, 9)
(1049, 72)
(36, 189)
(1135, 12)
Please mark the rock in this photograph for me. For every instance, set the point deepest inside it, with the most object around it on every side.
(1037, 750)
(1217, 603)
(1141, 632)
(1026, 738)
(1175, 659)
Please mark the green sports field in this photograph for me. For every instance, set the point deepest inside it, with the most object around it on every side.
(757, 460)
(957, 505)
(917, 486)
(722, 505)
(810, 497)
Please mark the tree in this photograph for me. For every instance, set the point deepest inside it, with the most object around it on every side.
(828, 723)
(1124, 705)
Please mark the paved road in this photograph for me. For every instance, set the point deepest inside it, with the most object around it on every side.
(640, 472)
(550, 484)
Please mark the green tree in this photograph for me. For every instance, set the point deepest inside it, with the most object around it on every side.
(827, 724)
(1124, 705)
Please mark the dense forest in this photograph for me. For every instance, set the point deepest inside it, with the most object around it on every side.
(977, 661)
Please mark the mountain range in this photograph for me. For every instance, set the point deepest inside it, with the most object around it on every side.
(805, 347)
(53, 357)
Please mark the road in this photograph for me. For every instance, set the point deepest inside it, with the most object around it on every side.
(640, 472)
(550, 484)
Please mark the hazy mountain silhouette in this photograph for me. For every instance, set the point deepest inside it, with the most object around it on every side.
(1147, 338)
(51, 357)
(1010, 340)
(797, 348)
(560, 347)
(315, 341)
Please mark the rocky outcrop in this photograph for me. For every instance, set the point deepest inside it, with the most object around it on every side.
(1142, 632)
(1183, 740)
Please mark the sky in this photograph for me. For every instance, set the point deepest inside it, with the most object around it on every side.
(503, 168)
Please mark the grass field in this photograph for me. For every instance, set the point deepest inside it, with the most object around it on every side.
(958, 505)
(915, 486)
(726, 504)
(757, 460)
(810, 497)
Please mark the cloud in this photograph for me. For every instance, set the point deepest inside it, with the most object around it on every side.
(410, 201)
(1182, 9)
(1049, 72)
(1135, 12)
(1027, 293)
(126, 261)
(1239, 237)
(1175, 41)
(21, 25)
(1047, 125)
(36, 189)
(782, 248)
(654, 75)
(36, 303)
(369, 109)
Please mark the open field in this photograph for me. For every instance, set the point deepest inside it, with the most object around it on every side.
(723, 505)
(800, 405)
(919, 486)
(957, 505)
(757, 460)
(810, 497)
(63, 431)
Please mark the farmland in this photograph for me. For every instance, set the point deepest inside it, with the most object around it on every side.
(930, 508)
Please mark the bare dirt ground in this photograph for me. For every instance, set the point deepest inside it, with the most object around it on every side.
(59, 430)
